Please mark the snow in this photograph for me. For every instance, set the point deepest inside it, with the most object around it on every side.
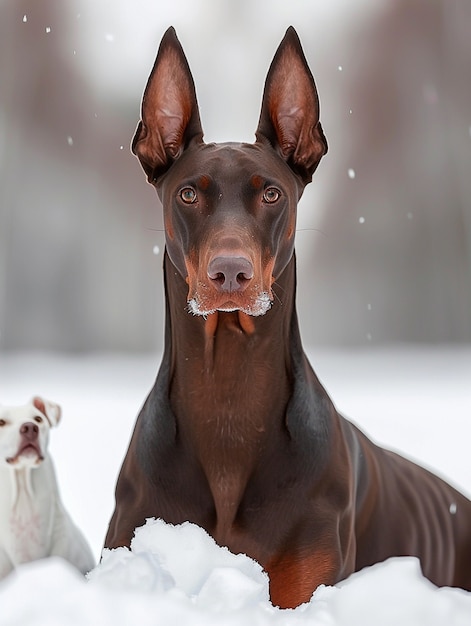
(417, 400)
(177, 575)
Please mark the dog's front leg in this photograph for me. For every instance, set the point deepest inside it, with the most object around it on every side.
(294, 577)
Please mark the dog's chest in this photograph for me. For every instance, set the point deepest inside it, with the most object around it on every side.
(27, 524)
(26, 532)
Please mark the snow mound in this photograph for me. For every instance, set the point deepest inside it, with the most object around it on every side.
(184, 557)
(178, 575)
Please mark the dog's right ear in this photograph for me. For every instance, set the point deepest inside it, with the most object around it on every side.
(170, 116)
(50, 410)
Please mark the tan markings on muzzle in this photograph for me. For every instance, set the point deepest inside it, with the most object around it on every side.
(205, 295)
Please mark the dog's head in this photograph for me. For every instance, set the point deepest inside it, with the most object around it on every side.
(230, 209)
(24, 432)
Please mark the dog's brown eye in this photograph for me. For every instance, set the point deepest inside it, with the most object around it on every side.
(2, 422)
(38, 419)
(188, 195)
(271, 195)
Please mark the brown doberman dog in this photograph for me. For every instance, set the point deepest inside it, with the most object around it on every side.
(237, 434)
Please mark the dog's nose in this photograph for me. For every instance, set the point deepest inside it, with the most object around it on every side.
(230, 273)
(29, 431)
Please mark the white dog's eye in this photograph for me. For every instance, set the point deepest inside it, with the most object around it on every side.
(2, 422)
(38, 419)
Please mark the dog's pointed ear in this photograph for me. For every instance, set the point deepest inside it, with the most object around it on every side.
(290, 109)
(170, 116)
(50, 410)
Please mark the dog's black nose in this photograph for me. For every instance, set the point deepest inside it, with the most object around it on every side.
(29, 431)
(230, 273)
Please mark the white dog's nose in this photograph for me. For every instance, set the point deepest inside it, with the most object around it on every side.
(29, 431)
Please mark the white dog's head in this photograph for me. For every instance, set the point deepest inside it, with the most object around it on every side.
(24, 432)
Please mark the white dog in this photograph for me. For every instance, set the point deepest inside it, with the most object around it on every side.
(33, 521)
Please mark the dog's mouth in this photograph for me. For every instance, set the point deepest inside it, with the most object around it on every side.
(255, 307)
(229, 283)
(30, 454)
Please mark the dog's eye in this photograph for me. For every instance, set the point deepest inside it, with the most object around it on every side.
(38, 419)
(2, 422)
(188, 195)
(271, 195)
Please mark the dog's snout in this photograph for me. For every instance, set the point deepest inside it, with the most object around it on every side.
(29, 431)
(230, 273)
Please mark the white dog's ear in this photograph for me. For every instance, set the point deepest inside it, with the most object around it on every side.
(51, 410)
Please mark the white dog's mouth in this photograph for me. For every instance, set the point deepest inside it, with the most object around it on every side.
(29, 454)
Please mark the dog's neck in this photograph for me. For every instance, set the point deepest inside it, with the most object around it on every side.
(217, 360)
(21, 504)
(217, 367)
(21, 487)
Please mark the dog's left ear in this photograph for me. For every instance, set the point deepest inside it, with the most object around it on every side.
(170, 115)
(50, 410)
(290, 109)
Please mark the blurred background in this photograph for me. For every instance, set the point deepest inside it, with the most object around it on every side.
(384, 240)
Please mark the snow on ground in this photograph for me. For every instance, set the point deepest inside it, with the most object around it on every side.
(177, 575)
(416, 400)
